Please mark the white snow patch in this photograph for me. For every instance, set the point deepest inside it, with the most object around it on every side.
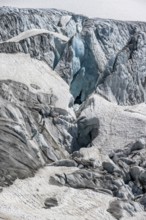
(24, 69)
(118, 125)
(25, 200)
(64, 20)
(34, 32)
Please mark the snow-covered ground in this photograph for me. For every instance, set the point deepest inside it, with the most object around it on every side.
(24, 200)
(118, 125)
(24, 69)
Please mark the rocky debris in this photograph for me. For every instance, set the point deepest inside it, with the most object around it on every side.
(50, 203)
(65, 163)
(120, 209)
(25, 199)
(78, 179)
(97, 180)
(110, 167)
(93, 155)
(135, 172)
(83, 163)
(87, 157)
(142, 201)
(26, 141)
(116, 176)
(139, 145)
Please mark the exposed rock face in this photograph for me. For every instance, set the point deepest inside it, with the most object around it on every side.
(27, 141)
(73, 94)
(40, 45)
(36, 123)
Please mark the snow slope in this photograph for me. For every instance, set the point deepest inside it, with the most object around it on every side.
(21, 68)
(34, 32)
(24, 200)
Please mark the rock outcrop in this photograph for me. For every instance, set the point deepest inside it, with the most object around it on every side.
(36, 123)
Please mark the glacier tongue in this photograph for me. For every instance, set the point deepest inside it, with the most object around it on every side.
(73, 99)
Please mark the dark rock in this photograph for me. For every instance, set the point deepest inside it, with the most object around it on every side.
(127, 161)
(87, 130)
(66, 163)
(77, 179)
(142, 178)
(139, 145)
(91, 163)
(110, 167)
(50, 203)
(142, 201)
(135, 172)
(35, 86)
(25, 145)
(119, 209)
(76, 154)
(136, 189)
(81, 179)
(115, 209)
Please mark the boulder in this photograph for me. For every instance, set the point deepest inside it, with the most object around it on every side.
(50, 203)
(135, 172)
(110, 167)
(138, 145)
(66, 163)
